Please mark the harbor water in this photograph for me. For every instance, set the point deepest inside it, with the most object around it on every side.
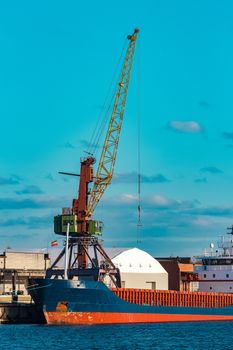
(198, 335)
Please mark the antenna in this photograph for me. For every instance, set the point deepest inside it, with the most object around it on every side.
(65, 173)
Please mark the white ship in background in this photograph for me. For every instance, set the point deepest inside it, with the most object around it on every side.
(216, 272)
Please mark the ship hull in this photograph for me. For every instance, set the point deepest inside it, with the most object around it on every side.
(88, 302)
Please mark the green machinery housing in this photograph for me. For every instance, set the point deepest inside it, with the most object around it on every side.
(60, 225)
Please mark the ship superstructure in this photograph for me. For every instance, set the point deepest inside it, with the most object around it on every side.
(216, 272)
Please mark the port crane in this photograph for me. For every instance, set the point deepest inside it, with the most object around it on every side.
(77, 223)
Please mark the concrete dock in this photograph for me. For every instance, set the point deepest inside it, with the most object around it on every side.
(16, 313)
(19, 309)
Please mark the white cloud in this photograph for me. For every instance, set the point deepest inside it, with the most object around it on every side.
(185, 126)
(202, 222)
(161, 200)
(129, 196)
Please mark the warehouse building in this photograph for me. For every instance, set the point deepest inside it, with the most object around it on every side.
(139, 269)
(16, 267)
(181, 274)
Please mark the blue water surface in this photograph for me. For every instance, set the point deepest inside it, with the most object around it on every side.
(198, 335)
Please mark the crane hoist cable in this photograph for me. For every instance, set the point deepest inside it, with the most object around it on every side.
(108, 156)
(139, 224)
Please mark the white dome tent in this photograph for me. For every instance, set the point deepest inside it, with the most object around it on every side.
(139, 269)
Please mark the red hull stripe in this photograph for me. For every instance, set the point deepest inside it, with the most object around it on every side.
(111, 317)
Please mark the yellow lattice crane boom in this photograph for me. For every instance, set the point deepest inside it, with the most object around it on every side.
(108, 156)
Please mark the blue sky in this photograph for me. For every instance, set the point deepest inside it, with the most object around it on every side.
(57, 61)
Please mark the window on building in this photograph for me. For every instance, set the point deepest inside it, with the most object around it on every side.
(152, 285)
(227, 275)
(204, 275)
(230, 288)
(217, 261)
(229, 261)
(210, 287)
(213, 275)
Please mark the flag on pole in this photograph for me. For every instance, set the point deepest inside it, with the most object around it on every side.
(54, 243)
